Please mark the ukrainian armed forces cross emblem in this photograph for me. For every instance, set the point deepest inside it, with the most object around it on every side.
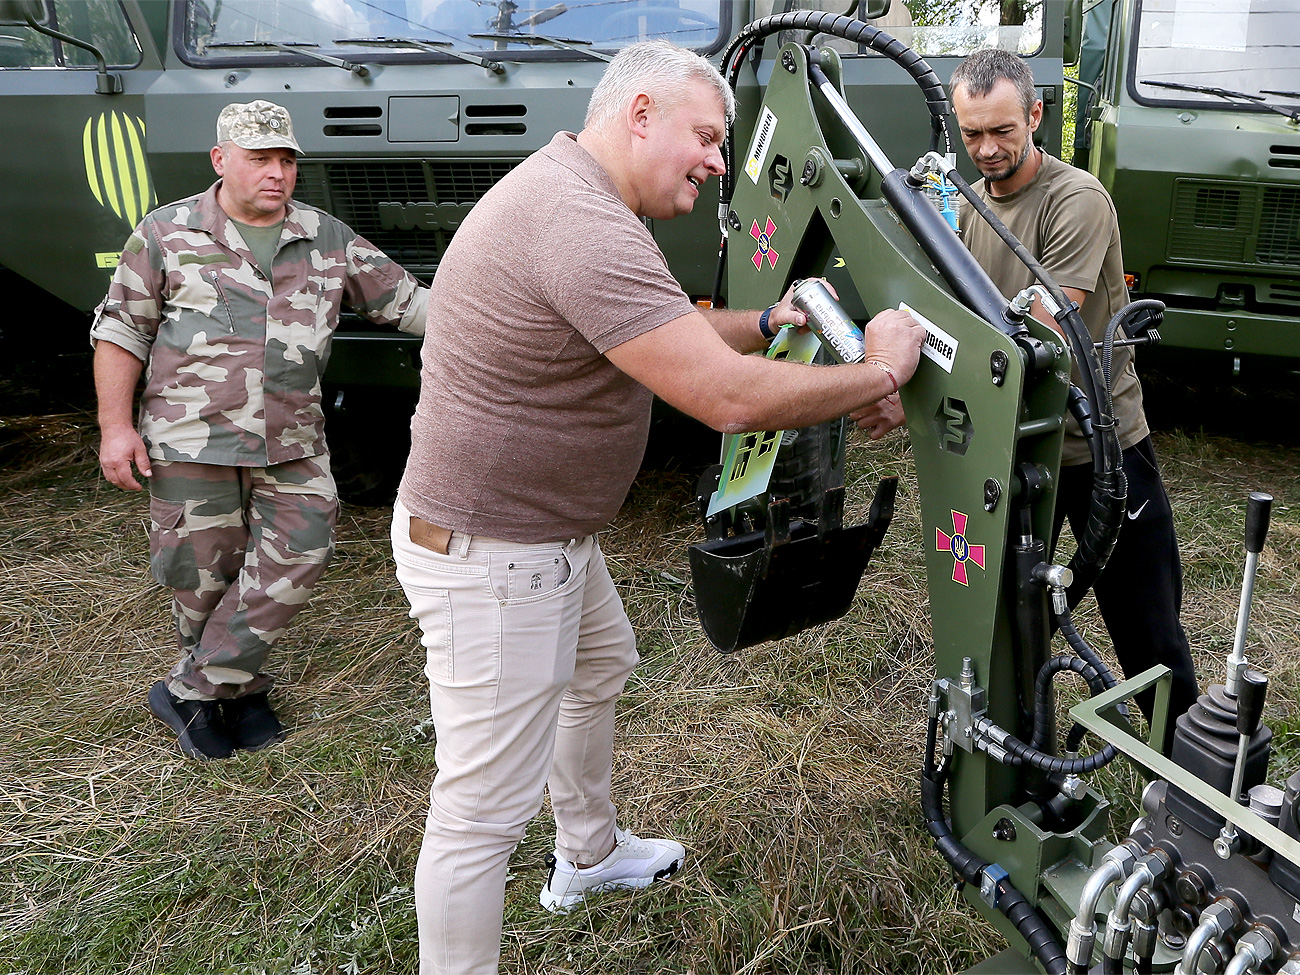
(962, 550)
(764, 238)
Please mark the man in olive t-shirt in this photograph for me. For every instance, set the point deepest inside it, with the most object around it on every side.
(1066, 220)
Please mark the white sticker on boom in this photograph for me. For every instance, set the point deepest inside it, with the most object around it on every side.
(940, 347)
(758, 148)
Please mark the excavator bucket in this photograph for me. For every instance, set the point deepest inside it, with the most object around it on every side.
(773, 582)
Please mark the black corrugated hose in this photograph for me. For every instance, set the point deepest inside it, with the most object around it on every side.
(968, 866)
(1044, 699)
(837, 25)
(1109, 486)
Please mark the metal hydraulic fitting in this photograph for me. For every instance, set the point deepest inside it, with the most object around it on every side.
(965, 701)
(1255, 949)
(1023, 301)
(1218, 920)
(1228, 842)
(1291, 966)
(1115, 866)
(1145, 910)
(1074, 787)
(1057, 578)
(931, 162)
(1151, 869)
(999, 754)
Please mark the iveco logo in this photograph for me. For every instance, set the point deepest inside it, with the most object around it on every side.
(422, 216)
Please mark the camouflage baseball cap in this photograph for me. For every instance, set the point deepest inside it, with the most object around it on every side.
(257, 125)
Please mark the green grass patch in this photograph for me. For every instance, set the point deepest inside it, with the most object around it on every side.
(789, 771)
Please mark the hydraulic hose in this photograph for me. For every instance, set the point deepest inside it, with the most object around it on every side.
(856, 31)
(1082, 648)
(1115, 866)
(1123, 315)
(1019, 753)
(1109, 488)
(970, 867)
(1043, 697)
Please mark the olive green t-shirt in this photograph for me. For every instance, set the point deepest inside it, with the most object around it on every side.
(1065, 218)
(262, 241)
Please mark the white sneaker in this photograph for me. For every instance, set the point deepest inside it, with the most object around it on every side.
(634, 862)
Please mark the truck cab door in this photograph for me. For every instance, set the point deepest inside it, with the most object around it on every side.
(73, 165)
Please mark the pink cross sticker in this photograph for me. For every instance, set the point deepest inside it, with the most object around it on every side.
(764, 238)
(962, 550)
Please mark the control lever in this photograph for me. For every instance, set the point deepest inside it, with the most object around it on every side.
(1250, 709)
(1258, 507)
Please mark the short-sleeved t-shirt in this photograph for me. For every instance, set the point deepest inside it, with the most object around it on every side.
(525, 431)
(1065, 218)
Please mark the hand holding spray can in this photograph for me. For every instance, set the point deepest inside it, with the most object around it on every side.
(827, 319)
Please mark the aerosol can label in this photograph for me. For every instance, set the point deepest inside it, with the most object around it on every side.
(827, 319)
(763, 133)
(939, 347)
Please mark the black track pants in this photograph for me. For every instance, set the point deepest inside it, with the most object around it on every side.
(1140, 592)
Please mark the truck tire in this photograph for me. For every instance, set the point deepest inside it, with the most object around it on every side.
(810, 462)
(369, 436)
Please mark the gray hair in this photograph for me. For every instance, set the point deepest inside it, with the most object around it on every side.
(980, 72)
(662, 70)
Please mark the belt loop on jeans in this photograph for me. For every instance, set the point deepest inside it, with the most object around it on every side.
(462, 550)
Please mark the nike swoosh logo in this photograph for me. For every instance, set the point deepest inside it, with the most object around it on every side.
(1132, 515)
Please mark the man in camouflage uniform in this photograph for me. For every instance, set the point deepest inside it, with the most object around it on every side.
(228, 301)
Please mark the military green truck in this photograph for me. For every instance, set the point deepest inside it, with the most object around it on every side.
(407, 110)
(1194, 128)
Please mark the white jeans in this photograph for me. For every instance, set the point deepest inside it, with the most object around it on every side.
(528, 648)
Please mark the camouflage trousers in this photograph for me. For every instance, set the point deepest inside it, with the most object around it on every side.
(241, 548)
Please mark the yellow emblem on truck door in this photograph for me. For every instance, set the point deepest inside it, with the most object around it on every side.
(116, 167)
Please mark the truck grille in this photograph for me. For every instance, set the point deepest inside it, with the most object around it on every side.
(353, 190)
(1279, 227)
(1219, 222)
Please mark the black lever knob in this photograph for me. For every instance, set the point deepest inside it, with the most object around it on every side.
(1257, 510)
(1250, 701)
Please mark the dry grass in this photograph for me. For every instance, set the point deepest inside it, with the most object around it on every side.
(789, 770)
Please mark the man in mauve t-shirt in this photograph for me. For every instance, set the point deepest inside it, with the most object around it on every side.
(553, 321)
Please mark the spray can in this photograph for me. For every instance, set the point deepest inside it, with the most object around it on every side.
(826, 318)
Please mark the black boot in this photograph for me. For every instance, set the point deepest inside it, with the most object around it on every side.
(199, 725)
(251, 723)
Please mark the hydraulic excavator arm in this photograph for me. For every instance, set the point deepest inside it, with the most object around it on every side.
(1201, 876)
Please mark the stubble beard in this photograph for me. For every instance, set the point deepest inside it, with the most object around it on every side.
(1013, 168)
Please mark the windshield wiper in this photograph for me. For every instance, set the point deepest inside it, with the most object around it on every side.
(299, 47)
(432, 47)
(568, 43)
(1226, 93)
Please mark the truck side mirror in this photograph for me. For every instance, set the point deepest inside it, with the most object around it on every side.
(871, 9)
(21, 13)
(1073, 39)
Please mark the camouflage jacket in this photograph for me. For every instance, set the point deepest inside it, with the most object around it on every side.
(233, 363)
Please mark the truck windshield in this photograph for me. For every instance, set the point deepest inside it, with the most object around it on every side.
(226, 30)
(1250, 47)
(937, 28)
